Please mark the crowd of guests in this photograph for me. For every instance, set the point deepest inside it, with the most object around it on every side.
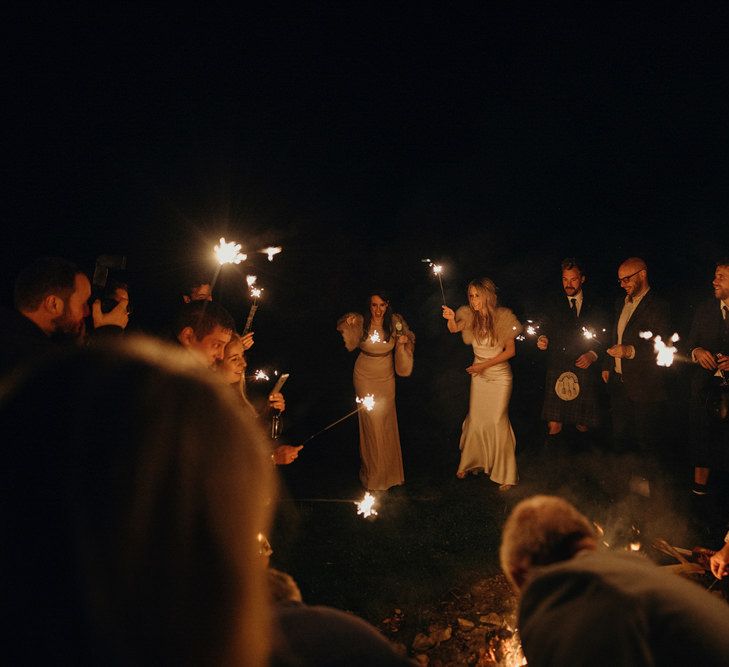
(140, 489)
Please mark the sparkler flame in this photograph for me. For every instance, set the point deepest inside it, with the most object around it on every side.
(588, 334)
(375, 337)
(437, 269)
(271, 251)
(229, 253)
(366, 506)
(256, 292)
(251, 280)
(260, 375)
(665, 352)
(368, 402)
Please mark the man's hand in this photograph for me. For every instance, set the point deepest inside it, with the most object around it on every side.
(705, 359)
(722, 362)
(585, 360)
(719, 562)
(285, 454)
(277, 401)
(117, 316)
(621, 351)
(542, 342)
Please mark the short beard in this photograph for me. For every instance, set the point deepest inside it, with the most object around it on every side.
(68, 330)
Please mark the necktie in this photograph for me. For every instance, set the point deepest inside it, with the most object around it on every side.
(573, 305)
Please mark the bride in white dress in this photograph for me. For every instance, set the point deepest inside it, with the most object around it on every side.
(487, 440)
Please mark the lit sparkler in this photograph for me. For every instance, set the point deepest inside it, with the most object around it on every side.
(229, 253)
(271, 251)
(367, 403)
(366, 506)
(589, 334)
(437, 270)
(260, 375)
(251, 280)
(665, 352)
(530, 330)
(255, 295)
(375, 337)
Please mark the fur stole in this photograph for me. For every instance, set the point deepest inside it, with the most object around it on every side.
(352, 335)
(506, 325)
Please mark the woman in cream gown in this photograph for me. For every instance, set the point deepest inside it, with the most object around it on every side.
(377, 335)
(487, 441)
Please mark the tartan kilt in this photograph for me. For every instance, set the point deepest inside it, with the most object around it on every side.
(585, 409)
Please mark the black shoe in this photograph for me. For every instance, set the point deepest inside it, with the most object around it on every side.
(700, 489)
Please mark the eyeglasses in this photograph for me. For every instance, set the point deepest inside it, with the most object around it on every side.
(625, 279)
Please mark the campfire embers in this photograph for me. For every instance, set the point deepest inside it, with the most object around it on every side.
(470, 628)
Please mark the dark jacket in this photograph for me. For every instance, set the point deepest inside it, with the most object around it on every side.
(21, 341)
(644, 380)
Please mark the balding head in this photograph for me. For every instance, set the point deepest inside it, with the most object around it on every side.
(542, 530)
(633, 277)
(633, 264)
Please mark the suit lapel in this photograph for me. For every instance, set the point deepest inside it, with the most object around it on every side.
(638, 312)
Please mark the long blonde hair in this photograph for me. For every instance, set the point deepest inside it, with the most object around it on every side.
(482, 325)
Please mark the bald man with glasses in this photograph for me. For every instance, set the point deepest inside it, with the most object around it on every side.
(636, 384)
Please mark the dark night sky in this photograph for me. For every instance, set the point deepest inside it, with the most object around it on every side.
(363, 138)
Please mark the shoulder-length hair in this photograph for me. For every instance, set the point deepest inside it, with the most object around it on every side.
(483, 324)
(386, 318)
(132, 511)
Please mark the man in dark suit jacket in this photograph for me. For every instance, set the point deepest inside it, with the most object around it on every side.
(709, 345)
(635, 382)
(51, 305)
(583, 607)
(570, 333)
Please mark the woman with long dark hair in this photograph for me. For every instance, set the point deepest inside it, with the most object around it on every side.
(379, 335)
(487, 441)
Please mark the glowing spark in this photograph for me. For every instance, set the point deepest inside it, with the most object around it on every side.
(256, 292)
(251, 280)
(366, 506)
(646, 335)
(375, 337)
(260, 375)
(665, 352)
(530, 330)
(588, 334)
(229, 253)
(635, 546)
(271, 251)
(368, 402)
(437, 270)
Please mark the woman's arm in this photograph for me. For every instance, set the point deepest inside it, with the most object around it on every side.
(454, 326)
(351, 327)
(507, 353)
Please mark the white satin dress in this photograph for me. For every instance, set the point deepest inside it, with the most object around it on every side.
(487, 441)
